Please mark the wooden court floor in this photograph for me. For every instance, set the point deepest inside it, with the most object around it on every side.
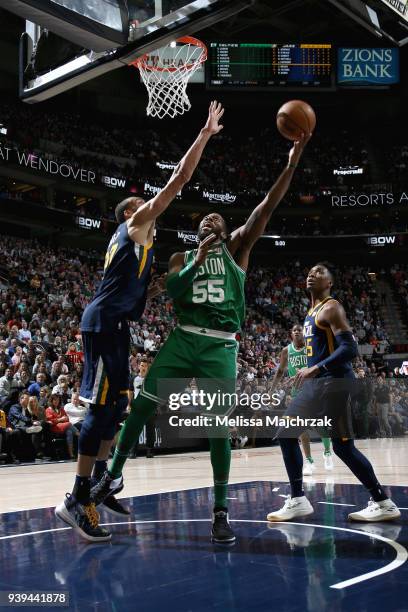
(31, 486)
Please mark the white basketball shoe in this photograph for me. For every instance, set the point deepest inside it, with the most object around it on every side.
(292, 508)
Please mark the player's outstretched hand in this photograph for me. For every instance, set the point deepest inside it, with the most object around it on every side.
(157, 286)
(296, 151)
(215, 113)
(305, 374)
(203, 249)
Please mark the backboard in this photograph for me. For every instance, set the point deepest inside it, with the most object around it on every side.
(151, 24)
(387, 19)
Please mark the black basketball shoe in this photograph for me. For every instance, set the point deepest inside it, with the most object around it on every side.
(113, 506)
(106, 487)
(83, 518)
(221, 529)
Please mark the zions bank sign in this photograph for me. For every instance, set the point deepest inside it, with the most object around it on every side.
(367, 66)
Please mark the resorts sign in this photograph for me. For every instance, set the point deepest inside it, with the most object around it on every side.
(362, 200)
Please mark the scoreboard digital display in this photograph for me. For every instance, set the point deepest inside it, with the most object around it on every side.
(269, 66)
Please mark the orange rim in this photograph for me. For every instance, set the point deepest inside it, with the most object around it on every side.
(188, 40)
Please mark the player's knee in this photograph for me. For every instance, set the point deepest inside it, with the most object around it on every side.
(342, 447)
(120, 409)
(92, 430)
(110, 431)
(118, 414)
(143, 405)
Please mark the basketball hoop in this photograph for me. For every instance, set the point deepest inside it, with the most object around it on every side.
(166, 79)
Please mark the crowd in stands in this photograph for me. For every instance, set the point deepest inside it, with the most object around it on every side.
(316, 223)
(238, 161)
(399, 276)
(42, 295)
(397, 162)
(76, 141)
(298, 226)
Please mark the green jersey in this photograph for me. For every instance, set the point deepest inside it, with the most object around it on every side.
(216, 299)
(296, 359)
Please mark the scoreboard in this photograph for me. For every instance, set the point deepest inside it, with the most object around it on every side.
(269, 66)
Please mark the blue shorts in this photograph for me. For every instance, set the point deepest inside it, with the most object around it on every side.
(106, 366)
(319, 398)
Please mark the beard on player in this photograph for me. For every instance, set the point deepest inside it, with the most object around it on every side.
(213, 223)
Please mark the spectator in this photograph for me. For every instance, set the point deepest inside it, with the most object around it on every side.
(44, 397)
(24, 333)
(35, 388)
(59, 423)
(59, 367)
(12, 347)
(37, 414)
(75, 411)
(73, 355)
(150, 427)
(138, 380)
(7, 384)
(150, 343)
(62, 389)
(24, 429)
(22, 376)
(361, 403)
(16, 358)
(396, 419)
(3, 433)
(4, 355)
(382, 398)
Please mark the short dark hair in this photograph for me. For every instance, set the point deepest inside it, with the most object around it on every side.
(216, 213)
(329, 267)
(120, 210)
(296, 325)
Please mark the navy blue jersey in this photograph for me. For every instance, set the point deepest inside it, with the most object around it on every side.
(320, 341)
(123, 290)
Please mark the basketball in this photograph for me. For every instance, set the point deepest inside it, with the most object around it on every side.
(295, 117)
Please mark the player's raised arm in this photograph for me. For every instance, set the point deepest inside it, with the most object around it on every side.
(244, 237)
(181, 276)
(182, 174)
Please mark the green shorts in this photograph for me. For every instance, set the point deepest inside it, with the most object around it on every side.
(212, 362)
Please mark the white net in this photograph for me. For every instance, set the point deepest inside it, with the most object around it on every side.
(166, 73)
